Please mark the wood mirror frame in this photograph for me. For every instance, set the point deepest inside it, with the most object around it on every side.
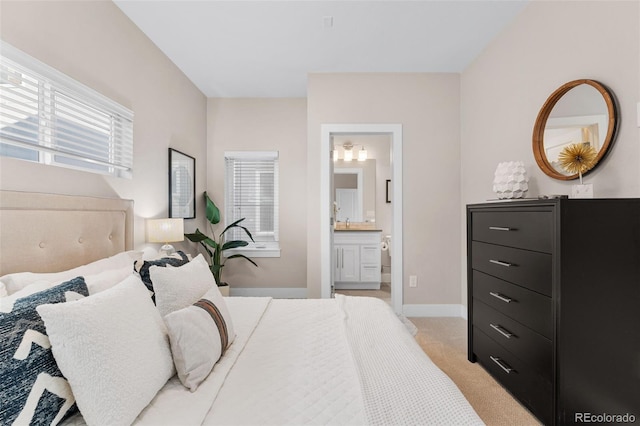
(545, 111)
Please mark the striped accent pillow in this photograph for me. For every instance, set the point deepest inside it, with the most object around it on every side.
(218, 319)
(199, 335)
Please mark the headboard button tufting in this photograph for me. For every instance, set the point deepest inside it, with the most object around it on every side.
(80, 240)
(41, 245)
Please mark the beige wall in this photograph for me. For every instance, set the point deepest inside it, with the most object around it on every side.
(548, 44)
(427, 106)
(97, 45)
(265, 125)
(459, 126)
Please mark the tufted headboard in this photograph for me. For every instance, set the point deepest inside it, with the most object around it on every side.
(51, 232)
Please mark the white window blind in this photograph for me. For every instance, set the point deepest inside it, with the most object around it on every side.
(47, 117)
(251, 192)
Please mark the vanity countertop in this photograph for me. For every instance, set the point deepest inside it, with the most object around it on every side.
(356, 229)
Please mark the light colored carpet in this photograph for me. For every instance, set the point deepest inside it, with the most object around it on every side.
(445, 341)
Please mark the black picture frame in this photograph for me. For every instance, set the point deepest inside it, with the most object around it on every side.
(182, 185)
(387, 193)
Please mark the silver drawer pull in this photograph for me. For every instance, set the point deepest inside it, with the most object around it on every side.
(498, 262)
(502, 364)
(501, 297)
(500, 228)
(506, 333)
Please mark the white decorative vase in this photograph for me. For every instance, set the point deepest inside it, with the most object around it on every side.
(511, 180)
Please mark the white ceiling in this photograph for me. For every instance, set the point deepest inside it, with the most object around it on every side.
(267, 48)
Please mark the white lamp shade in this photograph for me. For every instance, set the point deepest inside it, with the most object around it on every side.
(165, 230)
(348, 155)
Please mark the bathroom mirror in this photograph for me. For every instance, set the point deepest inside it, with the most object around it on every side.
(355, 190)
(580, 111)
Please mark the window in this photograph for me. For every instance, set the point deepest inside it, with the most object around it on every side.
(251, 192)
(47, 117)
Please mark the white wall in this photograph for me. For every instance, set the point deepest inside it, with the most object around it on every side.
(265, 125)
(547, 45)
(427, 106)
(97, 45)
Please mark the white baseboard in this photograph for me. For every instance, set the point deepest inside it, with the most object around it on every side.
(433, 310)
(276, 293)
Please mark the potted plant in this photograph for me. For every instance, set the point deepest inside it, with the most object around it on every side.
(215, 246)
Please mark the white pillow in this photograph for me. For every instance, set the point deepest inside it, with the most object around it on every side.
(3, 290)
(199, 335)
(113, 349)
(95, 283)
(177, 288)
(107, 279)
(6, 303)
(18, 281)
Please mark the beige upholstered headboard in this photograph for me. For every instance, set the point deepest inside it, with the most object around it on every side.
(51, 232)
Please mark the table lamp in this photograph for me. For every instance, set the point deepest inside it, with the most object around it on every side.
(165, 231)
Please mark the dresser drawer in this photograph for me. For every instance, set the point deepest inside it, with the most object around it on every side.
(531, 230)
(531, 389)
(526, 268)
(525, 306)
(521, 341)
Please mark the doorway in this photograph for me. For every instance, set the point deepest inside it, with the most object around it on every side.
(328, 132)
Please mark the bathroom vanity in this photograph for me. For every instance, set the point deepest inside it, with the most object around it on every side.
(357, 259)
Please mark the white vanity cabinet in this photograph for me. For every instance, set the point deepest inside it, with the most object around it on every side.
(357, 260)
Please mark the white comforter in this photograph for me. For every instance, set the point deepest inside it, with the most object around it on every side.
(343, 361)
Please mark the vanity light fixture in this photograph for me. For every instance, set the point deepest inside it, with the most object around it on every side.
(362, 154)
(335, 153)
(348, 151)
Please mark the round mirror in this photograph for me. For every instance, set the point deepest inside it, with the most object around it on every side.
(579, 112)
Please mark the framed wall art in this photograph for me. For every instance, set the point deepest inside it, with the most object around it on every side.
(182, 185)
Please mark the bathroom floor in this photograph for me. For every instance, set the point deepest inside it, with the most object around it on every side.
(384, 293)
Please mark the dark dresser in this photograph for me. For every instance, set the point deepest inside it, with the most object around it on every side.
(554, 305)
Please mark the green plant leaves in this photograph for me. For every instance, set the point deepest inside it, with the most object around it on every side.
(213, 212)
(234, 244)
(244, 257)
(235, 225)
(215, 248)
(196, 237)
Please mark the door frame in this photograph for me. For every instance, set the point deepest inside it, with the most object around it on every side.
(328, 131)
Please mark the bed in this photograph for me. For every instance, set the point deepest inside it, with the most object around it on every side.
(347, 360)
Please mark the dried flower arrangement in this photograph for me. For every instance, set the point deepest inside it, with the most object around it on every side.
(578, 158)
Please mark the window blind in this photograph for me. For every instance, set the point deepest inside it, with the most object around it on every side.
(48, 117)
(251, 192)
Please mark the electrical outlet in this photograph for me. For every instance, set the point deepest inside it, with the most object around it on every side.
(413, 281)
